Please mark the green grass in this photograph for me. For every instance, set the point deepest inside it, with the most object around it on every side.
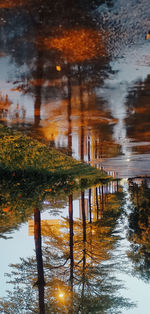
(31, 173)
(22, 156)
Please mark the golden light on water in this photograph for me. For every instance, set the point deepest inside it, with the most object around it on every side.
(58, 68)
(61, 295)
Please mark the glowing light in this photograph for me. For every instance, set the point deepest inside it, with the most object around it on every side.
(128, 159)
(147, 36)
(58, 68)
(61, 295)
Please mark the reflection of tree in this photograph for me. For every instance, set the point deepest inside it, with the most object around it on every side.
(38, 249)
(76, 279)
(71, 239)
(41, 45)
(30, 172)
(38, 88)
(138, 124)
(16, 203)
(4, 106)
(77, 46)
(19, 196)
(69, 113)
(139, 232)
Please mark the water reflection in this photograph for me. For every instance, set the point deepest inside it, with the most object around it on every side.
(60, 82)
(57, 61)
(71, 275)
(75, 265)
(137, 104)
(139, 227)
(58, 64)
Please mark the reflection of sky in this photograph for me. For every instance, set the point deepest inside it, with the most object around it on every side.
(115, 90)
(138, 291)
(8, 72)
(21, 245)
(48, 214)
(130, 165)
(128, 70)
(135, 289)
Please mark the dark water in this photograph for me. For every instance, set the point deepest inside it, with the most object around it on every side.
(76, 76)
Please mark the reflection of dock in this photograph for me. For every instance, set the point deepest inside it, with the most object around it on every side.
(48, 227)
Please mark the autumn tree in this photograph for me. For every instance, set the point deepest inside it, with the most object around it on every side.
(75, 274)
(139, 229)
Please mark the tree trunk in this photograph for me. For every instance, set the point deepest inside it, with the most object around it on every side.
(38, 249)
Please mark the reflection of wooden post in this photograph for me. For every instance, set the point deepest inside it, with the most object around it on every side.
(84, 245)
(71, 239)
(93, 204)
(38, 88)
(37, 237)
(137, 195)
(71, 249)
(90, 209)
(83, 216)
(117, 185)
(99, 192)
(82, 115)
(96, 148)
(82, 140)
(69, 114)
(89, 150)
(96, 192)
(102, 198)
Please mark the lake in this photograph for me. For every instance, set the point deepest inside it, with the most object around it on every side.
(76, 76)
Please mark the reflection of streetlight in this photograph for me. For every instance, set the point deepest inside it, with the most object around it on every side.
(147, 36)
(61, 295)
(58, 68)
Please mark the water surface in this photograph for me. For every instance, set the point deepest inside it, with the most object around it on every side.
(76, 76)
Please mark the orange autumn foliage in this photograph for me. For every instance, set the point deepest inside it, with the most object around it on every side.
(6, 209)
(11, 3)
(78, 45)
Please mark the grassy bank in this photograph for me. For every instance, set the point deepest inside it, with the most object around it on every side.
(31, 174)
(22, 156)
